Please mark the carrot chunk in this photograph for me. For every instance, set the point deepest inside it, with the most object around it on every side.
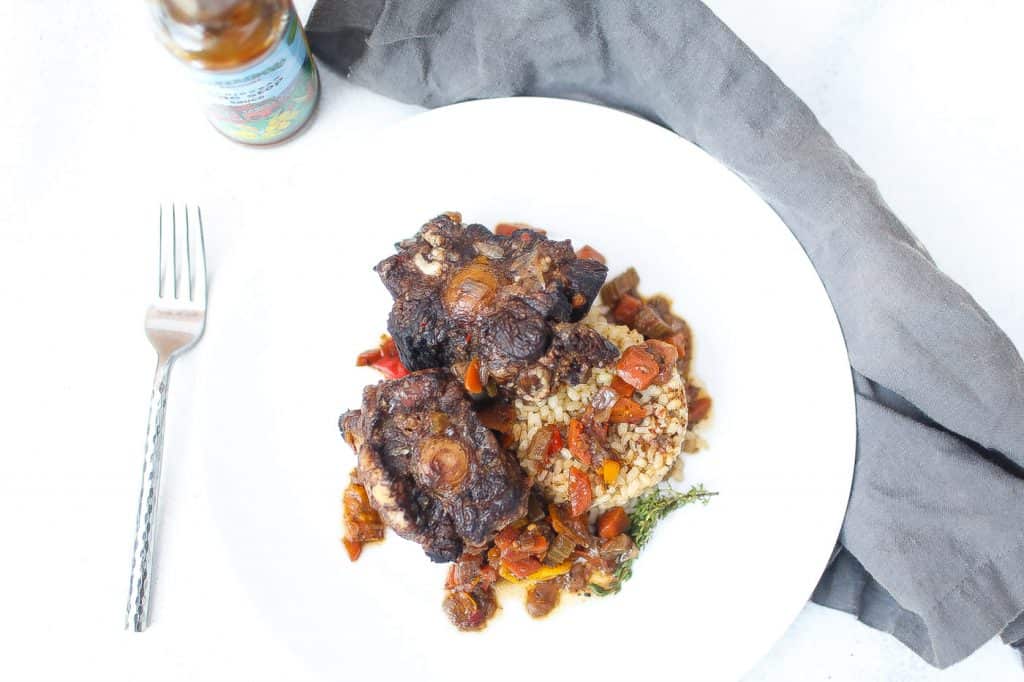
(637, 367)
(473, 382)
(621, 387)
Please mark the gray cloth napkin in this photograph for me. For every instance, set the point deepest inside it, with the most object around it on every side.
(932, 548)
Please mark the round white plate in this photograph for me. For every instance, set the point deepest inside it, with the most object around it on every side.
(295, 304)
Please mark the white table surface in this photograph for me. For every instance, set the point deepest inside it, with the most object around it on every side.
(97, 127)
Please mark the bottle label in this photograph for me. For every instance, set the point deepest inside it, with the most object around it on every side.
(268, 100)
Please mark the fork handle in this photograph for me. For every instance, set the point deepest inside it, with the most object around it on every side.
(137, 615)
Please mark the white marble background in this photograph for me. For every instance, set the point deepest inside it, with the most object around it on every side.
(925, 94)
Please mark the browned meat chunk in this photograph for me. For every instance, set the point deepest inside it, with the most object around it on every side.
(461, 292)
(574, 350)
(434, 473)
(470, 610)
(542, 598)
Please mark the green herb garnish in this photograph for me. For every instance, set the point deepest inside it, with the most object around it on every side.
(658, 504)
(650, 509)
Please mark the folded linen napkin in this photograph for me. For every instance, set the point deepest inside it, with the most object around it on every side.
(932, 548)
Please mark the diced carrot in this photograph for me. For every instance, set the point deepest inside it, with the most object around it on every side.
(505, 229)
(610, 471)
(613, 522)
(699, 409)
(621, 387)
(580, 493)
(588, 251)
(578, 445)
(627, 411)
(472, 381)
(353, 547)
(626, 309)
(637, 367)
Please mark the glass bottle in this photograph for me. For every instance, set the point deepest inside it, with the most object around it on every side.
(250, 59)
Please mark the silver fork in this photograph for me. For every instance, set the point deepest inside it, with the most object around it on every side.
(174, 323)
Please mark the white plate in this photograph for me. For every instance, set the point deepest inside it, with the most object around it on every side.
(716, 586)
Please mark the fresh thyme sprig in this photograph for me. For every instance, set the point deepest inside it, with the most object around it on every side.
(658, 504)
(650, 509)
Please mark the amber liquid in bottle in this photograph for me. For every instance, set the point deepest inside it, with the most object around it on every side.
(251, 60)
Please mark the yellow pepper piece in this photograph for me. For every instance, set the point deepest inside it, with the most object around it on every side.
(544, 573)
(610, 471)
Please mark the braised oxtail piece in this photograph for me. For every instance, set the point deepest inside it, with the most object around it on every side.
(462, 293)
(435, 474)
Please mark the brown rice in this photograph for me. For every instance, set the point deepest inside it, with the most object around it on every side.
(647, 451)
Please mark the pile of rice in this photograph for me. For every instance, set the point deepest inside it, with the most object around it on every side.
(647, 451)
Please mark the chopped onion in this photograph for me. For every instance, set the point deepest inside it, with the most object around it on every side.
(602, 404)
(538, 445)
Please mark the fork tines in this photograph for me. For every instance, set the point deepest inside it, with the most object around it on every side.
(184, 249)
